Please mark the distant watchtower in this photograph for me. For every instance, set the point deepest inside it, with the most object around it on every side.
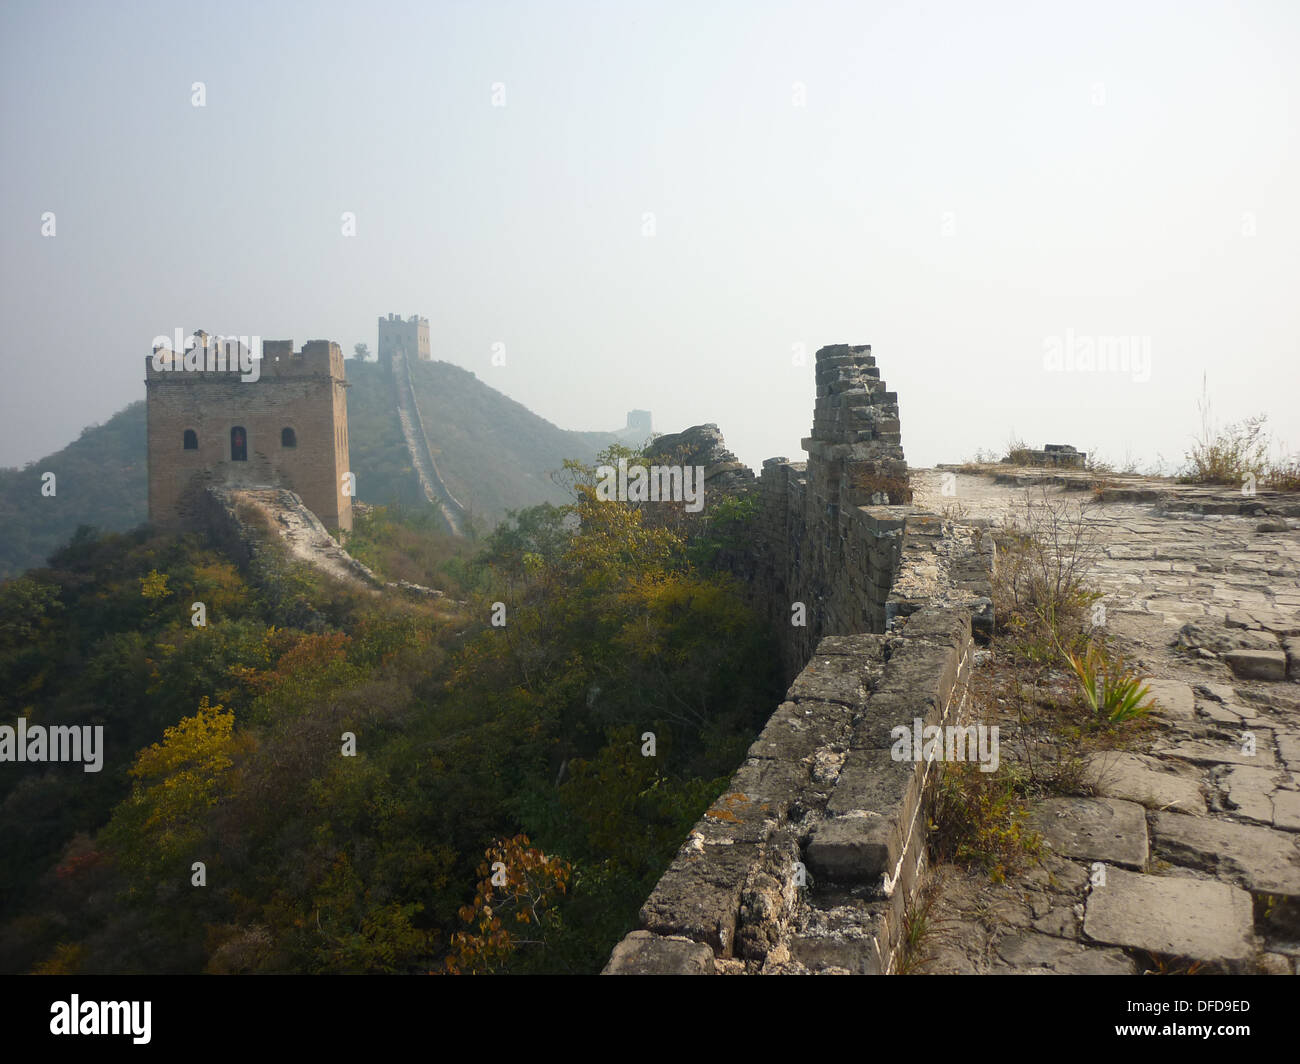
(283, 424)
(410, 337)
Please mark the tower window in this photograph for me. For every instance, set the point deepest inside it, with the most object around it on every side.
(287, 438)
(191, 440)
(238, 444)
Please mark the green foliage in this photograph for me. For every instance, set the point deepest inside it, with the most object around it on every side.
(467, 735)
(403, 543)
(728, 528)
(177, 782)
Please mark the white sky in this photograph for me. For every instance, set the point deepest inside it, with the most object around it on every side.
(963, 186)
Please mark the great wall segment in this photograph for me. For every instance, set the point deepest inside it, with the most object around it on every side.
(399, 341)
(813, 858)
(417, 444)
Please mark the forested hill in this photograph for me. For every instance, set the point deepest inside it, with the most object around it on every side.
(100, 479)
(495, 454)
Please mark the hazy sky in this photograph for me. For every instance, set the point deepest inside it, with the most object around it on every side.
(672, 198)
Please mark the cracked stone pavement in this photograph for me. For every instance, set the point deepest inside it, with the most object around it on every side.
(1190, 848)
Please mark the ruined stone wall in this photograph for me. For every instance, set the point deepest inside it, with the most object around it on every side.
(304, 392)
(830, 530)
(809, 859)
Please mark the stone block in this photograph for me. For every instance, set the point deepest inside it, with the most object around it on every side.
(1260, 859)
(643, 953)
(1135, 778)
(796, 731)
(1094, 829)
(699, 896)
(1257, 664)
(852, 849)
(1206, 921)
(1174, 699)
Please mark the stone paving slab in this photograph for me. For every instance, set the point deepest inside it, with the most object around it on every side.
(1173, 699)
(1262, 860)
(1257, 664)
(1286, 810)
(1029, 949)
(1223, 752)
(1145, 780)
(1202, 592)
(1199, 919)
(1249, 792)
(1094, 829)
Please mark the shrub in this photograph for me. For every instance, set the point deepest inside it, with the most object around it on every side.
(979, 820)
(1226, 456)
(1039, 588)
(1283, 474)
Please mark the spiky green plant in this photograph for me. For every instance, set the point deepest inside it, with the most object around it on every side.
(1113, 692)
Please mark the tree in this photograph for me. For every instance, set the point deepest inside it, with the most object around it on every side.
(361, 352)
(515, 905)
(155, 832)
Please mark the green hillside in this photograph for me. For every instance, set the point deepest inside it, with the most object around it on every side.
(495, 454)
(100, 479)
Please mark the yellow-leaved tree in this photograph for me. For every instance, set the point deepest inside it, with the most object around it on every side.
(154, 833)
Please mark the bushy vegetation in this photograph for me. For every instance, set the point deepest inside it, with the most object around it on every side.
(499, 814)
(100, 480)
(981, 819)
(1041, 598)
(1241, 453)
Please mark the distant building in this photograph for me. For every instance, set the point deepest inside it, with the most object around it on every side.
(410, 337)
(285, 426)
(638, 424)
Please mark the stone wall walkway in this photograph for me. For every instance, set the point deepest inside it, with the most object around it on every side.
(1189, 847)
(417, 445)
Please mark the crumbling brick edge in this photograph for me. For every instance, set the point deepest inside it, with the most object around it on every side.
(810, 859)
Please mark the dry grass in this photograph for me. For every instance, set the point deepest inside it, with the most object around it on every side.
(1283, 474)
(892, 491)
(1040, 595)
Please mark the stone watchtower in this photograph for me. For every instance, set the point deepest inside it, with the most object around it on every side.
(285, 424)
(410, 337)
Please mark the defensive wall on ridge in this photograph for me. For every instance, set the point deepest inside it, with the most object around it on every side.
(809, 859)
